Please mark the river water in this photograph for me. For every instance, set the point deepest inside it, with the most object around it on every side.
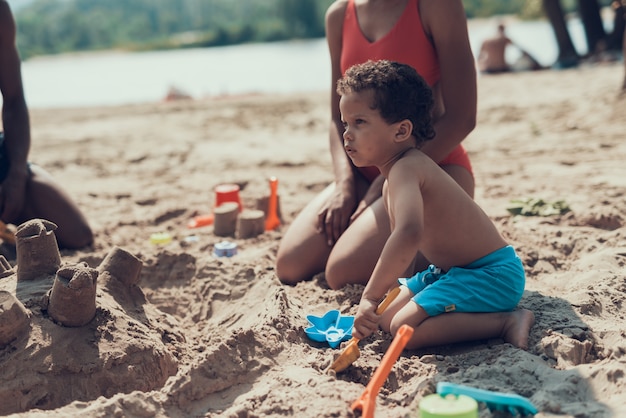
(115, 78)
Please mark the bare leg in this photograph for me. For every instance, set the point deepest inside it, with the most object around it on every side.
(45, 199)
(403, 298)
(303, 251)
(356, 252)
(448, 328)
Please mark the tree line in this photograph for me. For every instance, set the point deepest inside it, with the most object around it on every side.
(56, 26)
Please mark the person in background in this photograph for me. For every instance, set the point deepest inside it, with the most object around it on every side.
(624, 59)
(472, 289)
(342, 231)
(27, 191)
(492, 55)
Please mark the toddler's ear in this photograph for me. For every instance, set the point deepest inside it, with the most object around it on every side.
(404, 131)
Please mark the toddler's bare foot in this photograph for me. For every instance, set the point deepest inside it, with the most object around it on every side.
(517, 328)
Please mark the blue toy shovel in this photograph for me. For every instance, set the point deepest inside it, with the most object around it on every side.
(514, 404)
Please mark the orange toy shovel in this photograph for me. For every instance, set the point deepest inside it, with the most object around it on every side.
(272, 221)
(367, 401)
(351, 352)
(202, 220)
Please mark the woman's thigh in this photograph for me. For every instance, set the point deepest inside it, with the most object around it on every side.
(303, 251)
(355, 254)
(46, 199)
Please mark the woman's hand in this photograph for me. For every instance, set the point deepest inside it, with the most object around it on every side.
(334, 217)
(366, 319)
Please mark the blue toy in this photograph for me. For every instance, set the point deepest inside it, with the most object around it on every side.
(332, 328)
(514, 404)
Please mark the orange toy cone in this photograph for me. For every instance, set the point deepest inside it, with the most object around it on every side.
(272, 221)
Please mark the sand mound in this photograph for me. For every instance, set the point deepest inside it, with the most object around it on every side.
(196, 335)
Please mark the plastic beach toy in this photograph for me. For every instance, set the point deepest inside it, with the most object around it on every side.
(351, 353)
(367, 401)
(200, 221)
(272, 221)
(227, 193)
(160, 238)
(514, 404)
(437, 406)
(225, 249)
(332, 328)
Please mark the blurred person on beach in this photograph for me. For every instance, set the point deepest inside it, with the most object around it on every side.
(492, 55)
(26, 190)
(341, 232)
(624, 59)
(472, 289)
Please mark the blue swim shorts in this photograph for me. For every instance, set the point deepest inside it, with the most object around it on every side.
(493, 283)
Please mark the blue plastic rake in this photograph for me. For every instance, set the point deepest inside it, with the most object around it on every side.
(495, 401)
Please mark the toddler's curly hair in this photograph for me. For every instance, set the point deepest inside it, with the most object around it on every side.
(399, 93)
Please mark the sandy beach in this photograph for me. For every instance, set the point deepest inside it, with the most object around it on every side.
(221, 337)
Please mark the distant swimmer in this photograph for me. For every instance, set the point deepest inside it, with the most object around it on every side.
(492, 55)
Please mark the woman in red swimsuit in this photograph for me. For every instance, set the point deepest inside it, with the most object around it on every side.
(342, 231)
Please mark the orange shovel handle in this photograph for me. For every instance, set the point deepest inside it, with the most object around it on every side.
(367, 400)
(393, 293)
(388, 299)
(351, 352)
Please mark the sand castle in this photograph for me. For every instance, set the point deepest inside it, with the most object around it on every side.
(90, 307)
(37, 249)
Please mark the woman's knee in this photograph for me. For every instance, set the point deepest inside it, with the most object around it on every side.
(296, 263)
(78, 236)
(342, 271)
(335, 275)
(288, 270)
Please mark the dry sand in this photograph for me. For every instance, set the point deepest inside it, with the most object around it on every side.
(221, 337)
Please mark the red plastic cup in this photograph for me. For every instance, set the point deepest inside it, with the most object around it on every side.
(227, 193)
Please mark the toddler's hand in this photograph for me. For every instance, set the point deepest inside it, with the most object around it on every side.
(366, 319)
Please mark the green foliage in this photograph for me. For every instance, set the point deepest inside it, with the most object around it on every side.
(533, 206)
(487, 8)
(532, 9)
(55, 26)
